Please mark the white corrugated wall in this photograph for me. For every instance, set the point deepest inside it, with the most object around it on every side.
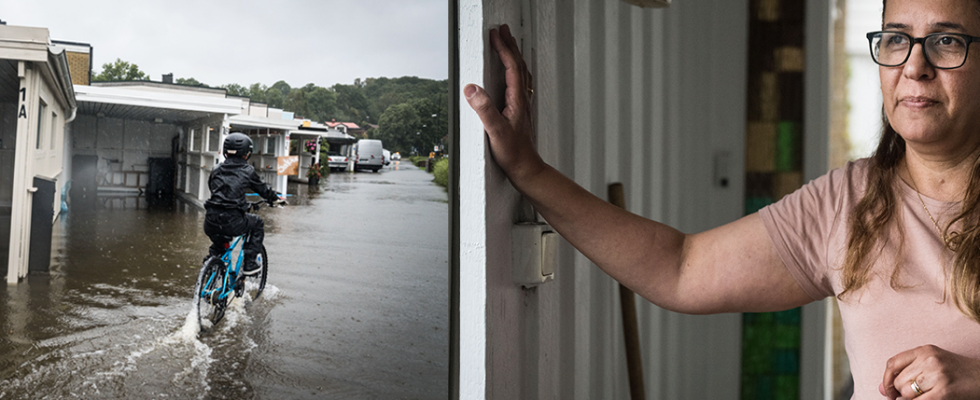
(644, 97)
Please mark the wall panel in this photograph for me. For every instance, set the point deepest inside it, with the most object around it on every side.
(616, 86)
(650, 98)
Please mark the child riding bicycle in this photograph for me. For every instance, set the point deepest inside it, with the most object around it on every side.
(227, 214)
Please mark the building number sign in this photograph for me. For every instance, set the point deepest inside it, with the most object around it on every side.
(23, 100)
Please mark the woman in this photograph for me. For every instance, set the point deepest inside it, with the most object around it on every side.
(895, 237)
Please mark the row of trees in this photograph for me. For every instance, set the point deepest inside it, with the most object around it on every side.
(410, 113)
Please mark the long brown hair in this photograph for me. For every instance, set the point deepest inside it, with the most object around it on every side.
(873, 214)
(878, 209)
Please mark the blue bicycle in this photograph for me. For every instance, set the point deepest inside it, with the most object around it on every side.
(221, 279)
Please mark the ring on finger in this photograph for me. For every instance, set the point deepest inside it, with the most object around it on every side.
(915, 388)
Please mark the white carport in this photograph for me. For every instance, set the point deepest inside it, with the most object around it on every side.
(314, 132)
(122, 130)
(270, 139)
(343, 142)
(36, 102)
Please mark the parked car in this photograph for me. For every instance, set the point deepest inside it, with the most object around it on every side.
(387, 156)
(368, 155)
(336, 160)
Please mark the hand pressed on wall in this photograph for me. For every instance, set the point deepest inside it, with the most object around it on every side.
(511, 131)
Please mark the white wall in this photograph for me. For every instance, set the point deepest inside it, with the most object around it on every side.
(266, 162)
(654, 102)
(38, 152)
(123, 147)
(200, 145)
(622, 94)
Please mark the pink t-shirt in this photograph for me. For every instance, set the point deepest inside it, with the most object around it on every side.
(809, 231)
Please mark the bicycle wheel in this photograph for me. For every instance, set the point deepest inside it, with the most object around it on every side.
(209, 285)
(254, 284)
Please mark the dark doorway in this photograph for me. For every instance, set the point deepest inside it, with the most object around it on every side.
(160, 189)
(42, 215)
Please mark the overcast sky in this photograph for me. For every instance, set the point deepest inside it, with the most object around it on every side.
(217, 42)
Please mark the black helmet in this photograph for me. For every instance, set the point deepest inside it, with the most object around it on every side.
(237, 144)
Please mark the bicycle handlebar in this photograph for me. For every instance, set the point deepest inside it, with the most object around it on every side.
(255, 205)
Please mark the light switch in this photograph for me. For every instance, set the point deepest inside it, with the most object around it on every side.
(549, 253)
(534, 253)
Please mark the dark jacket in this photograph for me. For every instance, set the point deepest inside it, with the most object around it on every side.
(230, 180)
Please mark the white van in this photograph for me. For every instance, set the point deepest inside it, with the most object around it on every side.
(368, 155)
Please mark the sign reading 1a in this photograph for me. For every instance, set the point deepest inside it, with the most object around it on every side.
(23, 107)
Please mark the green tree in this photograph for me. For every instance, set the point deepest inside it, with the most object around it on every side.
(399, 128)
(274, 98)
(296, 102)
(370, 132)
(352, 104)
(120, 71)
(256, 92)
(387, 100)
(362, 102)
(234, 89)
(321, 103)
(282, 87)
(385, 92)
(190, 81)
(433, 124)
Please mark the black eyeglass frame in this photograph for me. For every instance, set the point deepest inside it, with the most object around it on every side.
(922, 41)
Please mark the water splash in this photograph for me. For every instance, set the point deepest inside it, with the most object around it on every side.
(139, 356)
(192, 324)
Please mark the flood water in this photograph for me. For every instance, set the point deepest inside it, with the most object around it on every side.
(356, 305)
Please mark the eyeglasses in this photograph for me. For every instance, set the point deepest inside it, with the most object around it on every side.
(942, 50)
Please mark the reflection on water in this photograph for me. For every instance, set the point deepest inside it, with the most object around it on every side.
(355, 307)
(114, 316)
(117, 288)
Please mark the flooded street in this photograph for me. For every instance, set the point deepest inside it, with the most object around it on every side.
(356, 305)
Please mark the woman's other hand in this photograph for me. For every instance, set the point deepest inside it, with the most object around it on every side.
(937, 373)
(510, 132)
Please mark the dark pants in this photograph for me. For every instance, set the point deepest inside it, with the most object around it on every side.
(223, 225)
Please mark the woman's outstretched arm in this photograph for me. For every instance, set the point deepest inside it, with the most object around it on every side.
(727, 269)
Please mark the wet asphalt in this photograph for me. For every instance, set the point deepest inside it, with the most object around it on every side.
(356, 306)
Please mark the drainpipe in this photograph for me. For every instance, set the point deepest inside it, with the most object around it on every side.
(60, 62)
(74, 113)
